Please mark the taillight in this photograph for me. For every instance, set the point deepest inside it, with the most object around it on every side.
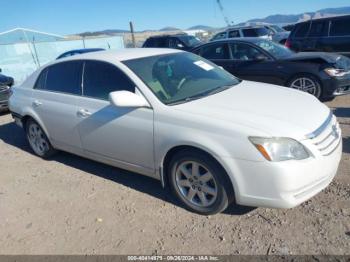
(288, 43)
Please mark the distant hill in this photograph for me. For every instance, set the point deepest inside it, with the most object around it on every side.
(289, 19)
(201, 27)
(104, 32)
(169, 28)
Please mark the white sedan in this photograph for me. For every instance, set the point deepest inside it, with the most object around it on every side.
(179, 118)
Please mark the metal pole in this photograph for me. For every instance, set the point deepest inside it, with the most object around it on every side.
(35, 52)
(84, 41)
(132, 34)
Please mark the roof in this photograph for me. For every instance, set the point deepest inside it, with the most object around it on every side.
(123, 54)
(324, 18)
(168, 35)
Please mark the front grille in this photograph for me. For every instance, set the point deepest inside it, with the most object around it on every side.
(327, 137)
(3, 88)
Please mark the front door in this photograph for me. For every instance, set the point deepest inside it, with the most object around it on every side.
(115, 135)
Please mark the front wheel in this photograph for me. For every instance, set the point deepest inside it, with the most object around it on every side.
(38, 140)
(308, 84)
(199, 182)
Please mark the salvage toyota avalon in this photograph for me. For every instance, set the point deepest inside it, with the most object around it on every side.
(179, 118)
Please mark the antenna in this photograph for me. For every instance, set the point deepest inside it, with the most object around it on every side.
(222, 9)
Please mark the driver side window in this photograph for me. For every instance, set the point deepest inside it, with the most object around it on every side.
(101, 78)
(244, 52)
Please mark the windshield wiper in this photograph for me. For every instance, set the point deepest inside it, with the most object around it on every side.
(201, 95)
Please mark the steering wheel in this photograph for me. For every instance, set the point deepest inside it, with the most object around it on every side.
(182, 82)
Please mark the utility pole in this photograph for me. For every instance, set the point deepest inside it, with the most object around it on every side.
(222, 9)
(132, 34)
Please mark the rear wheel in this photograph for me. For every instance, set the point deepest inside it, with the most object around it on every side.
(38, 140)
(199, 182)
(307, 83)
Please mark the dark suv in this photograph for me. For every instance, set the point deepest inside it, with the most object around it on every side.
(5, 83)
(179, 41)
(330, 34)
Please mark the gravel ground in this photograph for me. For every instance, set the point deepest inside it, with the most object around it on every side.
(70, 205)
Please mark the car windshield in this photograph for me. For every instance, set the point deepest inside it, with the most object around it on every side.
(181, 77)
(190, 40)
(277, 50)
(277, 28)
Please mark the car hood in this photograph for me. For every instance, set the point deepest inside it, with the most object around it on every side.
(327, 57)
(269, 109)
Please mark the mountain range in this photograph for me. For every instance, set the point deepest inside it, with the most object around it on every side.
(273, 19)
(291, 19)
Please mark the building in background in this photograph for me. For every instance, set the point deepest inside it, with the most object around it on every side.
(22, 51)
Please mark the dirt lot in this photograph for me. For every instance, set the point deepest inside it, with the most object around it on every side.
(70, 205)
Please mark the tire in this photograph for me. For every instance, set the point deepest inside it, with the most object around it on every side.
(306, 83)
(209, 188)
(38, 140)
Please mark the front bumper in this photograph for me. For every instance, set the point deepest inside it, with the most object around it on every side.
(282, 184)
(287, 184)
(336, 86)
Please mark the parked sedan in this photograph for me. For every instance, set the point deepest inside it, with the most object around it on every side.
(179, 118)
(5, 83)
(323, 75)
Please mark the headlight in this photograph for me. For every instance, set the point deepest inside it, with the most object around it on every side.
(336, 72)
(280, 149)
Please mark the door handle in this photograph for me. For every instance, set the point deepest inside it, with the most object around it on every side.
(83, 113)
(37, 103)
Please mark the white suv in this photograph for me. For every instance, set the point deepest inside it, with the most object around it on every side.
(179, 118)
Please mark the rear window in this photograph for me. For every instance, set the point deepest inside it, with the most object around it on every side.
(318, 28)
(302, 30)
(340, 27)
(63, 77)
(156, 42)
(254, 32)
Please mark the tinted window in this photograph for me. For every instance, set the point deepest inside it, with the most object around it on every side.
(302, 30)
(244, 52)
(64, 77)
(149, 42)
(175, 43)
(217, 51)
(160, 42)
(317, 28)
(41, 81)
(254, 32)
(101, 78)
(220, 36)
(340, 27)
(233, 34)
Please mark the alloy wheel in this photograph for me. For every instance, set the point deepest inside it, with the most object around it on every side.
(307, 85)
(196, 183)
(37, 139)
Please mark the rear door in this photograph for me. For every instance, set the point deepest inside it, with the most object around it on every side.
(314, 41)
(116, 135)
(54, 101)
(339, 36)
(219, 54)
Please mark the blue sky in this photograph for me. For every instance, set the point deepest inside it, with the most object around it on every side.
(75, 16)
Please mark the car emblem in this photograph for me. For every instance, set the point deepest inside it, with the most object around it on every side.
(335, 132)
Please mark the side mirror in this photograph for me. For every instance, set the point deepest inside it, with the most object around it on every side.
(261, 58)
(127, 99)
